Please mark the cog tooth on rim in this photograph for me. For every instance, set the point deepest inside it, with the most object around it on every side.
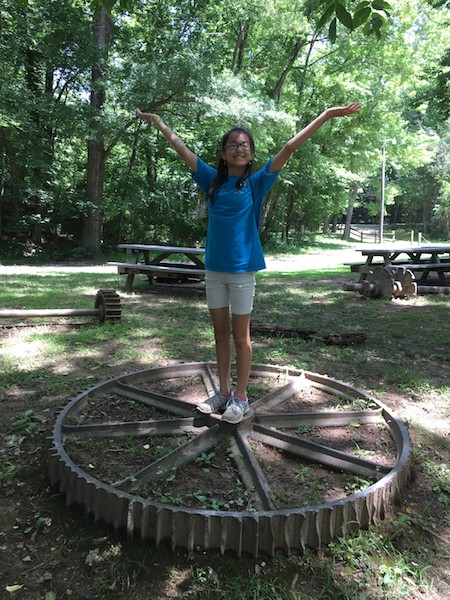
(241, 532)
(109, 305)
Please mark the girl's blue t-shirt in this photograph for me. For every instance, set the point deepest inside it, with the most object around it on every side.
(232, 239)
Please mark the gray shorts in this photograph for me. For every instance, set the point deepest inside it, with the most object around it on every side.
(230, 289)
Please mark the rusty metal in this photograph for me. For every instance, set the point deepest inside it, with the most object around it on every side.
(107, 308)
(392, 282)
(385, 282)
(265, 529)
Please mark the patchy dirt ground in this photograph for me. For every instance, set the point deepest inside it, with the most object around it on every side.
(50, 551)
(48, 548)
(212, 480)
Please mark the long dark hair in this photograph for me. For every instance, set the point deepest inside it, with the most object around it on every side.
(222, 167)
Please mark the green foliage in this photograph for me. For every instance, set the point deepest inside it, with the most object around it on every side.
(371, 13)
(8, 472)
(205, 67)
(26, 425)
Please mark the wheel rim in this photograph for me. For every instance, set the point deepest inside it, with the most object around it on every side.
(266, 527)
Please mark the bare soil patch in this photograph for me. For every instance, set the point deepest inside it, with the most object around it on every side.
(212, 480)
(51, 551)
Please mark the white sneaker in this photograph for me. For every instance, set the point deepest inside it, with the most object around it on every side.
(214, 403)
(235, 410)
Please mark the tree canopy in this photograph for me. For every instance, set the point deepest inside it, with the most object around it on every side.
(79, 171)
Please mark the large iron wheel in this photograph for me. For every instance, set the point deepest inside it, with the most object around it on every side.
(133, 449)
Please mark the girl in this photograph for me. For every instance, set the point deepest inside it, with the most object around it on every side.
(233, 249)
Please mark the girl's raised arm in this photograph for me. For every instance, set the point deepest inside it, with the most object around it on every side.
(338, 111)
(177, 144)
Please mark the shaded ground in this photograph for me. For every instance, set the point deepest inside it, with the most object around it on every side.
(49, 551)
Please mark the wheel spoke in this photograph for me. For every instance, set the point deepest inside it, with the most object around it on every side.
(179, 456)
(250, 471)
(210, 380)
(319, 419)
(138, 428)
(319, 453)
(276, 396)
(155, 399)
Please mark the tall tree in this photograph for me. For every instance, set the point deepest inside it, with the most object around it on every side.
(97, 153)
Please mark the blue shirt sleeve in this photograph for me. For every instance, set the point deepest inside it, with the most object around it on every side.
(205, 175)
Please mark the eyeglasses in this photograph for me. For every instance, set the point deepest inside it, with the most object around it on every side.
(236, 145)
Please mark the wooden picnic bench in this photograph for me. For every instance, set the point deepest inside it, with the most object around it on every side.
(151, 260)
(402, 271)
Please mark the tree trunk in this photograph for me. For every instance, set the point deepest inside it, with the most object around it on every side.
(241, 42)
(427, 212)
(287, 219)
(276, 93)
(334, 224)
(32, 64)
(348, 220)
(265, 224)
(2, 187)
(351, 203)
(93, 222)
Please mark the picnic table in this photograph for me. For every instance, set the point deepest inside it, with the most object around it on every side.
(398, 271)
(151, 260)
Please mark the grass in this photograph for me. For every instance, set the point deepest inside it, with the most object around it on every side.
(404, 363)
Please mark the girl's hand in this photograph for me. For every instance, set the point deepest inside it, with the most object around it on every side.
(177, 144)
(343, 111)
(300, 138)
(150, 117)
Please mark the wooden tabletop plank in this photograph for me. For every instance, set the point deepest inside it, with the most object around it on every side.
(439, 249)
(156, 248)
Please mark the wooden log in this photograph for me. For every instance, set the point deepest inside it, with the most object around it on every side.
(281, 330)
(353, 287)
(433, 289)
(345, 339)
(332, 339)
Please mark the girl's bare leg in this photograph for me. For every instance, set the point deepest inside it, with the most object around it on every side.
(243, 344)
(222, 333)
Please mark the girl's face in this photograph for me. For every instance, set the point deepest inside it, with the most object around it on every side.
(237, 152)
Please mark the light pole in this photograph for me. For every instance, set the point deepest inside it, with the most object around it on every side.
(383, 185)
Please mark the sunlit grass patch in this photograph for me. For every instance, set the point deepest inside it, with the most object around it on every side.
(370, 565)
(53, 289)
(403, 362)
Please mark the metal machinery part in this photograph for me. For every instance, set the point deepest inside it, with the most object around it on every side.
(107, 309)
(108, 303)
(264, 529)
(386, 282)
(392, 282)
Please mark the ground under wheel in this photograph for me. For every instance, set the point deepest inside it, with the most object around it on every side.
(314, 458)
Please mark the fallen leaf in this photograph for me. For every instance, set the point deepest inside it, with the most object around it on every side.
(13, 588)
(45, 577)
